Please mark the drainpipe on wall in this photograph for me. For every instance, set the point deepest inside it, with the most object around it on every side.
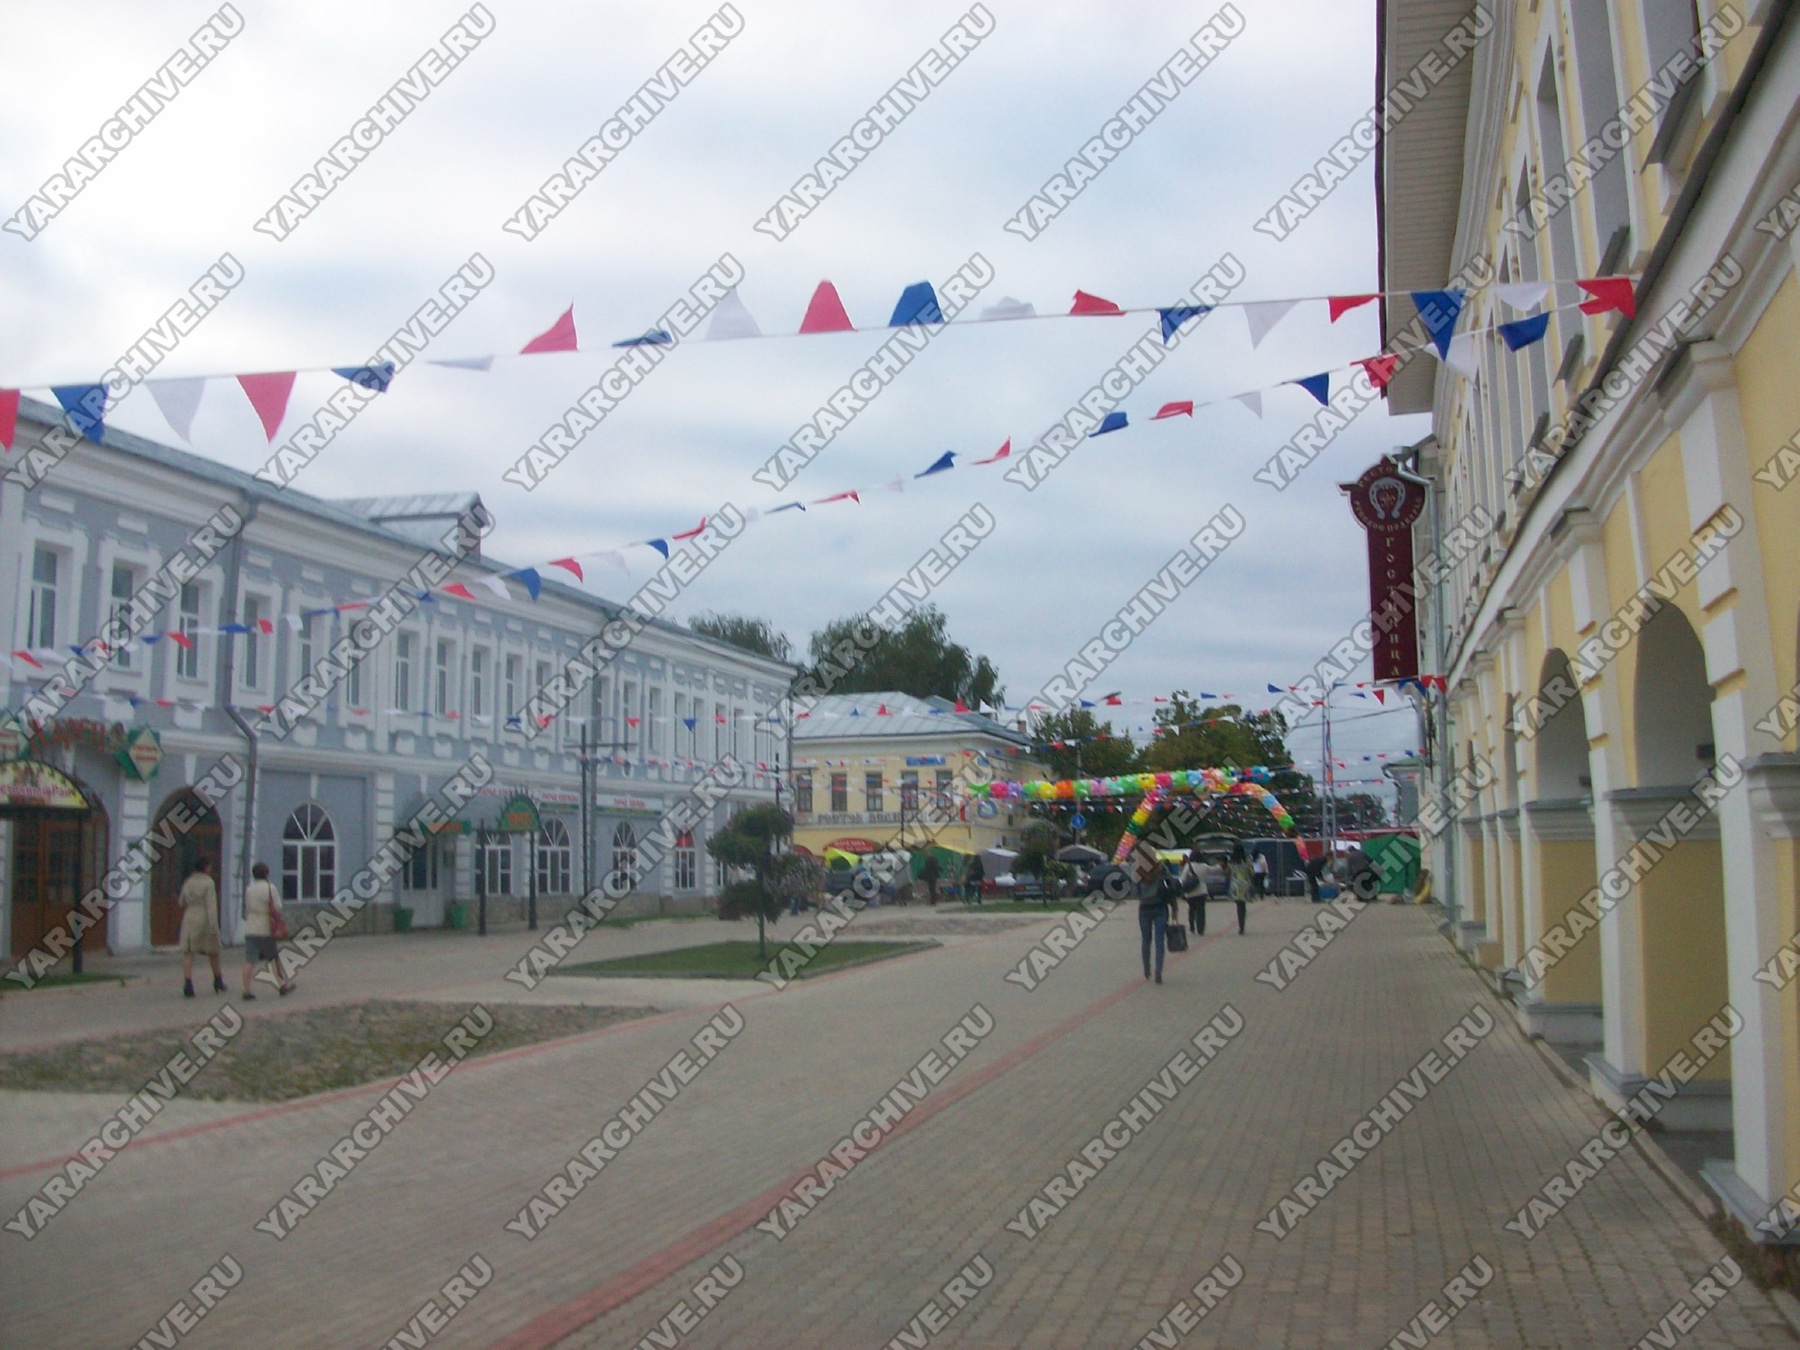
(227, 653)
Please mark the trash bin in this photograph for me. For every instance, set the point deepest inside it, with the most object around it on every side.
(402, 919)
(456, 914)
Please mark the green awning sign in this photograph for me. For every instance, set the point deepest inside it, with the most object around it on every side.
(519, 816)
(142, 754)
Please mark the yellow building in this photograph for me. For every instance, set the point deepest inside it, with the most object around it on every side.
(870, 767)
(1630, 624)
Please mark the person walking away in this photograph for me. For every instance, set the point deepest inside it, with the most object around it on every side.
(1213, 883)
(1259, 874)
(1193, 890)
(1158, 891)
(199, 925)
(262, 908)
(1241, 889)
(972, 880)
(929, 874)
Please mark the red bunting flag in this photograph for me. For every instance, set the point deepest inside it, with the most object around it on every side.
(29, 659)
(1114, 701)
(1380, 369)
(839, 497)
(263, 625)
(882, 711)
(631, 721)
(825, 313)
(459, 590)
(719, 717)
(269, 396)
(570, 566)
(182, 638)
(999, 455)
(1609, 293)
(689, 534)
(962, 707)
(1343, 304)
(1093, 304)
(558, 337)
(1184, 408)
(9, 416)
(1381, 697)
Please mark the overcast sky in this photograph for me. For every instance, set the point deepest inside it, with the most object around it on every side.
(691, 186)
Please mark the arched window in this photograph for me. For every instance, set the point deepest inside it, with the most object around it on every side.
(624, 856)
(554, 855)
(308, 855)
(685, 870)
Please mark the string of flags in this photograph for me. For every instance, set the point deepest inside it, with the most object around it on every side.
(85, 403)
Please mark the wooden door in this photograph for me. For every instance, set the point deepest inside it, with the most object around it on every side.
(174, 864)
(54, 864)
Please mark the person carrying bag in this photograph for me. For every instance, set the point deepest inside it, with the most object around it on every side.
(264, 928)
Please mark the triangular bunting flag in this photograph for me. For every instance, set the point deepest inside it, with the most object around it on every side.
(1523, 332)
(918, 303)
(613, 558)
(693, 533)
(268, 394)
(530, 579)
(1184, 408)
(375, 378)
(1176, 315)
(825, 313)
(1113, 421)
(1380, 369)
(654, 337)
(1341, 305)
(1008, 308)
(1252, 401)
(459, 590)
(9, 416)
(998, 455)
(85, 405)
(178, 401)
(558, 337)
(465, 363)
(1093, 304)
(731, 320)
(840, 497)
(660, 545)
(497, 586)
(569, 565)
(882, 711)
(947, 460)
(1319, 386)
(1522, 294)
(1439, 310)
(1609, 293)
(788, 506)
(1263, 316)
(1380, 696)
(1462, 356)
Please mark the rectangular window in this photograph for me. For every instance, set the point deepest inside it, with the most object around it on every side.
(497, 859)
(124, 582)
(719, 728)
(943, 788)
(629, 736)
(353, 685)
(909, 790)
(678, 732)
(686, 874)
(45, 566)
(253, 612)
(187, 623)
(653, 715)
(421, 873)
(444, 702)
(510, 689)
(803, 792)
(403, 671)
(478, 661)
(872, 792)
(840, 792)
(306, 635)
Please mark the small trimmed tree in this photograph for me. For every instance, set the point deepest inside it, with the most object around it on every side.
(749, 843)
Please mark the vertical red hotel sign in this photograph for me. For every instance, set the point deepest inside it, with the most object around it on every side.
(1386, 504)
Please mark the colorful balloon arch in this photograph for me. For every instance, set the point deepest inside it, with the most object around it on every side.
(1155, 789)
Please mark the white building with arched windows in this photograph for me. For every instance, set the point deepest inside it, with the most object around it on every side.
(237, 592)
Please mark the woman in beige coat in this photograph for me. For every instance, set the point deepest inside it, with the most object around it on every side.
(200, 925)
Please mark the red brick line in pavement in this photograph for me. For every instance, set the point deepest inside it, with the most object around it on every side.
(342, 1094)
(566, 1319)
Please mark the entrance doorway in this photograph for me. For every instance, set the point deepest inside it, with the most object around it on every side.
(176, 861)
(58, 851)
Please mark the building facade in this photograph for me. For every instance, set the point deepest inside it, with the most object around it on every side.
(870, 769)
(1617, 778)
(239, 591)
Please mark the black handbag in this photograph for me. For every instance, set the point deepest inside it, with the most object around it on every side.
(1177, 939)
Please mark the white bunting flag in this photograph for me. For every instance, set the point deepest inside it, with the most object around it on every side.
(179, 400)
(1263, 317)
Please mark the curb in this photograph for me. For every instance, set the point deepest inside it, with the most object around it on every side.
(906, 949)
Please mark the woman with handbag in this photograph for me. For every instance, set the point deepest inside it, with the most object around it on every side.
(264, 927)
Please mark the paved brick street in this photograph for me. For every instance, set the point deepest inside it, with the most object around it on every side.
(1105, 1265)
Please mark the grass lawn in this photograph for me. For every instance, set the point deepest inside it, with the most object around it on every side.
(279, 1058)
(1021, 907)
(738, 960)
(61, 980)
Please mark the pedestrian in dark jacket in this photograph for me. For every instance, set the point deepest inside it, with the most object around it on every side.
(1158, 893)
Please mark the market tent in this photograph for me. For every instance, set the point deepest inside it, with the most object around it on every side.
(1396, 858)
(841, 860)
(951, 864)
